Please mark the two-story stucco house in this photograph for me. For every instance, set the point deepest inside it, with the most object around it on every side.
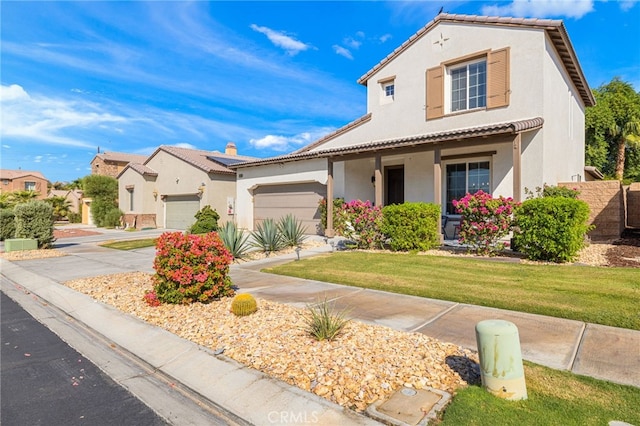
(23, 180)
(467, 103)
(174, 183)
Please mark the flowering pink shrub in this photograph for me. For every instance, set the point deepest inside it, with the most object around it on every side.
(191, 268)
(362, 223)
(151, 298)
(484, 221)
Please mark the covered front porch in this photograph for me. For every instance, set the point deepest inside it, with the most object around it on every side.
(436, 168)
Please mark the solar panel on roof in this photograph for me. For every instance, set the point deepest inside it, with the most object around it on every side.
(224, 160)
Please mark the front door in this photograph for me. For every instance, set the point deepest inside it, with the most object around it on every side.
(394, 184)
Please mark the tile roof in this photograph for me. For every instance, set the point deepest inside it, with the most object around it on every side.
(555, 30)
(511, 127)
(15, 174)
(199, 158)
(142, 169)
(121, 157)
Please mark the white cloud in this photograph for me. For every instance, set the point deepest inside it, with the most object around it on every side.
(184, 145)
(627, 5)
(342, 51)
(384, 38)
(6, 146)
(281, 39)
(286, 143)
(37, 159)
(541, 8)
(12, 93)
(48, 120)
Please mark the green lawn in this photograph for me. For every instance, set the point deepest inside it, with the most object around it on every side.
(608, 296)
(554, 398)
(131, 244)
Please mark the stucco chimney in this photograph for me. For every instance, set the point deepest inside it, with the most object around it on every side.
(231, 149)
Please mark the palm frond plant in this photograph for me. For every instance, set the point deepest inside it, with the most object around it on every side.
(266, 237)
(235, 240)
(292, 230)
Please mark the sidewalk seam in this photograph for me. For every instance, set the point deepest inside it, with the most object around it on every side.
(578, 345)
(437, 317)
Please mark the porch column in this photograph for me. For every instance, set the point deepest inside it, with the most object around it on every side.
(517, 168)
(378, 180)
(329, 231)
(437, 186)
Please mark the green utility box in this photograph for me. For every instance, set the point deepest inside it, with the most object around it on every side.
(501, 359)
(17, 244)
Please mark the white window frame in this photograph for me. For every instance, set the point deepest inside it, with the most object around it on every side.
(30, 186)
(386, 84)
(465, 161)
(448, 92)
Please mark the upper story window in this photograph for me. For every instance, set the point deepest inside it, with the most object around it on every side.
(477, 81)
(468, 85)
(387, 89)
(5, 181)
(29, 186)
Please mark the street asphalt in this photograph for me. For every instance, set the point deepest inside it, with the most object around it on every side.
(240, 395)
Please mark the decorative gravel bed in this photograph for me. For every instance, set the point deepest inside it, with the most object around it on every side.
(31, 254)
(365, 363)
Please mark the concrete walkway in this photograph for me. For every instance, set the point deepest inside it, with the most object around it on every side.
(602, 352)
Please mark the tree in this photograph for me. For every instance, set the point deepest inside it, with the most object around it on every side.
(103, 190)
(613, 128)
(61, 206)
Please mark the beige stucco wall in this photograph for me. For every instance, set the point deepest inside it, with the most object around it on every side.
(143, 199)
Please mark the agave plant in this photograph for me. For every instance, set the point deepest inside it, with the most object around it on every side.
(292, 230)
(235, 240)
(267, 237)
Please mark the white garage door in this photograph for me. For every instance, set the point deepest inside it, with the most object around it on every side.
(301, 200)
(181, 210)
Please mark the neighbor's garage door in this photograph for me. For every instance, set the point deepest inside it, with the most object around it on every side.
(180, 211)
(301, 200)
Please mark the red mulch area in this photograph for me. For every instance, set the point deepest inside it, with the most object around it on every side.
(71, 232)
(627, 251)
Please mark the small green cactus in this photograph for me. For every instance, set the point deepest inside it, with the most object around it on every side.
(244, 304)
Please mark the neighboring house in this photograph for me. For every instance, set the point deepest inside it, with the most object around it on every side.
(174, 183)
(467, 103)
(23, 180)
(113, 163)
(74, 196)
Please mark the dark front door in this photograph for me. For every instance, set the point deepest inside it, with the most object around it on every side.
(394, 184)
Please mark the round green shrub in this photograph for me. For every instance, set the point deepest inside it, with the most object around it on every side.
(411, 226)
(551, 228)
(206, 221)
(35, 220)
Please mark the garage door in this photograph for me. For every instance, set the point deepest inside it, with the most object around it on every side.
(301, 200)
(180, 211)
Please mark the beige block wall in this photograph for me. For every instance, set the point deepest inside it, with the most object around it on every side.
(633, 205)
(605, 199)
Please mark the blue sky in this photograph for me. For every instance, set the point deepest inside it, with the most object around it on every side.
(269, 76)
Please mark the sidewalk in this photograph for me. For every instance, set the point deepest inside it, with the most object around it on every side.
(593, 350)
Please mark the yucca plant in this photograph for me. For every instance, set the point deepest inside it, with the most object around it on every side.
(292, 230)
(266, 237)
(323, 322)
(235, 240)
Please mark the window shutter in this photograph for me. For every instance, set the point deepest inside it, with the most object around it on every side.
(498, 89)
(435, 92)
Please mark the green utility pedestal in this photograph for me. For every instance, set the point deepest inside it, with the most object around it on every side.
(501, 359)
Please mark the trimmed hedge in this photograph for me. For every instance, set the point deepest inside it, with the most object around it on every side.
(411, 226)
(7, 224)
(206, 221)
(35, 220)
(551, 228)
